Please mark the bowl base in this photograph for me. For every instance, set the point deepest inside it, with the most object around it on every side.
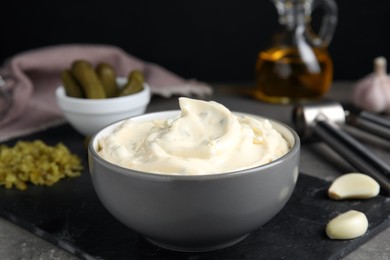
(195, 248)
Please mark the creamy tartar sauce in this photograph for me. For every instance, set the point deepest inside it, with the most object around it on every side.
(206, 138)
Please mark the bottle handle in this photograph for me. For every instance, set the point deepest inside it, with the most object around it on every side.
(328, 23)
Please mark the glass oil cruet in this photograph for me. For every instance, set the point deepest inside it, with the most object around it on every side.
(297, 66)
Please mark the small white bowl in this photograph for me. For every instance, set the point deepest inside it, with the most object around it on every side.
(88, 116)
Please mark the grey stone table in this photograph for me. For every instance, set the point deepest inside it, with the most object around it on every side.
(316, 159)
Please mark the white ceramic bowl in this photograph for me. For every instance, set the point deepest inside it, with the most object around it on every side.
(88, 116)
(194, 212)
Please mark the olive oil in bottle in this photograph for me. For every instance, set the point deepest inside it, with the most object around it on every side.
(297, 67)
(289, 75)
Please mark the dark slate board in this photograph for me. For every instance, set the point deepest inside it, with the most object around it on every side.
(70, 215)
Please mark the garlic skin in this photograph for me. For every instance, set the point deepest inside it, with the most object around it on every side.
(372, 92)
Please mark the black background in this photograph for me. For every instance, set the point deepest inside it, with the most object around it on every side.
(214, 40)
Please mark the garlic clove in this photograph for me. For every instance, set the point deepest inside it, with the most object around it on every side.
(348, 225)
(372, 93)
(353, 186)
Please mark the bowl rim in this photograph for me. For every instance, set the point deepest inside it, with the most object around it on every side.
(294, 149)
(124, 103)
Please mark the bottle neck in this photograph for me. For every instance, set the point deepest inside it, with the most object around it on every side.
(293, 13)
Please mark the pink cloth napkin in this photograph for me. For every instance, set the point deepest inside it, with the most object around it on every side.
(30, 80)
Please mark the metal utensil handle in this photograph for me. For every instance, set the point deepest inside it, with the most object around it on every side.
(375, 119)
(370, 126)
(370, 122)
(355, 153)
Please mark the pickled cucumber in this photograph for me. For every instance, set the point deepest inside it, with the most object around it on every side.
(83, 81)
(135, 83)
(72, 87)
(107, 76)
(89, 81)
